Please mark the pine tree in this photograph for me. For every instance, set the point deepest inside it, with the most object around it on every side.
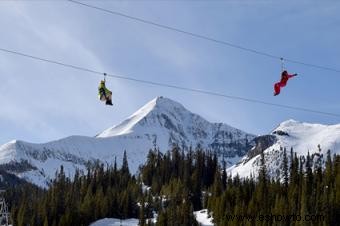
(224, 175)
(142, 220)
(86, 208)
(46, 221)
(125, 165)
(21, 219)
(285, 170)
(262, 192)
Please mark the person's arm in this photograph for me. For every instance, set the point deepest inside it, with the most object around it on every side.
(99, 88)
(290, 76)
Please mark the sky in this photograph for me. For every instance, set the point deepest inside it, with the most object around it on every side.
(40, 102)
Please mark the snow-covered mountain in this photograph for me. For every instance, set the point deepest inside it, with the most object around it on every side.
(302, 137)
(160, 123)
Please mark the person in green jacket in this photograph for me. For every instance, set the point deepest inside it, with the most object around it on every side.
(104, 93)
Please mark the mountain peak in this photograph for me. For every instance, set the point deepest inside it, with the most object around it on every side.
(164, 103)
(293, 126)
(289, 122)
(157, 106)
(159, 103)
(286, 124)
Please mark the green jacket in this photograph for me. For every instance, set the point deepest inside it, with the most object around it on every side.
(102, 88)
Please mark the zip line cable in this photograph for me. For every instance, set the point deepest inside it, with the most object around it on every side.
(207, 38)
(206, 92)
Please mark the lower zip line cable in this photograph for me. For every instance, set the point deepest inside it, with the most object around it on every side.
(193, 90)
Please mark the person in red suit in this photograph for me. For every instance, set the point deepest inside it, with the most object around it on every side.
(284, 79)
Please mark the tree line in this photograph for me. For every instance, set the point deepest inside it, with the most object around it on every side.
(171, 185)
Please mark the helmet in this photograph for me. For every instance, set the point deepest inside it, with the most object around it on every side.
(102, 82)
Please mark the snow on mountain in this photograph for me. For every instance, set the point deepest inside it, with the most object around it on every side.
(160, 123)
(316, 139)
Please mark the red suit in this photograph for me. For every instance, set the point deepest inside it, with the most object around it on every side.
(284, 79)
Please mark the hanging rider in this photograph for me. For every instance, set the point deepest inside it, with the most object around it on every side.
(104, 93)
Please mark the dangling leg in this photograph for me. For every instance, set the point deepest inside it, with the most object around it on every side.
(102, 95)
(277, 88)
(109, 102)
(109, 99)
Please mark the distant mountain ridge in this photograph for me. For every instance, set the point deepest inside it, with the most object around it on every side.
(302, 137)
(160, 123)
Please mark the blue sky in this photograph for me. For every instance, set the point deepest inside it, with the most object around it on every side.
(41, 102)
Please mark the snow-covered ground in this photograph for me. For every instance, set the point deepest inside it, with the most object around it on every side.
(115, 222)
(203, 217)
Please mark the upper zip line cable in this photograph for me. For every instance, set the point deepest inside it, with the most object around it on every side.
(204, 37)
(211, 93)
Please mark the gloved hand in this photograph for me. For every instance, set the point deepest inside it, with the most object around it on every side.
(295, 74)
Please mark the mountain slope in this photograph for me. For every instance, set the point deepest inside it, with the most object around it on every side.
(316, 139)
(160, 123)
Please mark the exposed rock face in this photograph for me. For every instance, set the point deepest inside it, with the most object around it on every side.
(261, 144)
